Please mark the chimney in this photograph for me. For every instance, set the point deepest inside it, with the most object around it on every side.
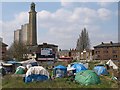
(111, 42)
(102, 43)
(44, 43)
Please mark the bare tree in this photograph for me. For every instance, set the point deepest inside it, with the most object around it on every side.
(16, 50)
(83, 41)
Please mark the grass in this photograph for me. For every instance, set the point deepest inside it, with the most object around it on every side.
(17, 82)
(8, 81)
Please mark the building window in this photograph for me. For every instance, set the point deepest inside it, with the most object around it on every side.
(114, 56)
(114, 51)
(97, 52)
(105, 51)
(98, 56)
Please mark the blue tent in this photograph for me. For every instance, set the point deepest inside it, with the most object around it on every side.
(36, 73)
(60, 71)
(78, 67)
(100, 70)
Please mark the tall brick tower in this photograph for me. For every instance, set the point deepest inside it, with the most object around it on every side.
(32, 37)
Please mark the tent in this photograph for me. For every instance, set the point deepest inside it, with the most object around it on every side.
(20, 70)
(8, 67)
(70, 70)
(2, 71)
(100, 70)
(87, 77)
(15, 64)
(78, 67)
(110, 63)
(36, 73)
(28, 66)
(84, 64)
(60, 71)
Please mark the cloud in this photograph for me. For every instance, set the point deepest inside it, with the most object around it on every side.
(8, 27)
(104, 4)
(63, 26)
(104, 13)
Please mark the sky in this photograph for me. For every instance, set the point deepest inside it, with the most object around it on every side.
(61, 23)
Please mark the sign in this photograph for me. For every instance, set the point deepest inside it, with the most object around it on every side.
(46, 59)
(46, 51)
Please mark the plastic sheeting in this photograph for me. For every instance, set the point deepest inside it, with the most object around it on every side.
(60, 71)
(37, 70)
(20, 70)
(33, 62)
(87, 77)
(110, 63)
(79, 67)
(100, 70)
(36, 73)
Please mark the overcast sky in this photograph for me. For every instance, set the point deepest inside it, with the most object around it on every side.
(61, 23)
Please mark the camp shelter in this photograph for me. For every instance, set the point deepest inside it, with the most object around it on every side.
(2, 71)
(33, 62)
(87, 77)
(60, 71)
(78, 67)
(8, 67)
(28, 66)
(36, 73)
(70, 70)
(111, 64)
(15, 64)
(84, 64)
(20, 70)
(100, 70)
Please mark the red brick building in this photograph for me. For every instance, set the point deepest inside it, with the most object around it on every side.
(3, 50)
(106, 51)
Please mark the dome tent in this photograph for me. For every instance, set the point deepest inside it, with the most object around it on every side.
(20, 70)
(36, 73)
(60, 71)
(100, 70)
(78, 67)
(87, 77)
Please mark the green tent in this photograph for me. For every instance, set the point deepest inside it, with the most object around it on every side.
(87, 77)
(20, 71)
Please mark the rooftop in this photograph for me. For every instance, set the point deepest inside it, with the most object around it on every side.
(111, 44)
(48, 44)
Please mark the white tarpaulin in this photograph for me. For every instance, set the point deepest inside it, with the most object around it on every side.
(86, 65)
(69, 68)
(21, 67)
(28, 61)
(37, 70)
(110, 63)
(28, 66)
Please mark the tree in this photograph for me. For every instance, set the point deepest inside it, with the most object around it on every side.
(16, 50)
(83, 42)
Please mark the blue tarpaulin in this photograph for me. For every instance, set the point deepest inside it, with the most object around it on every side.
(100, 70)
(35, 77)
(60, 71)
(78, 67)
